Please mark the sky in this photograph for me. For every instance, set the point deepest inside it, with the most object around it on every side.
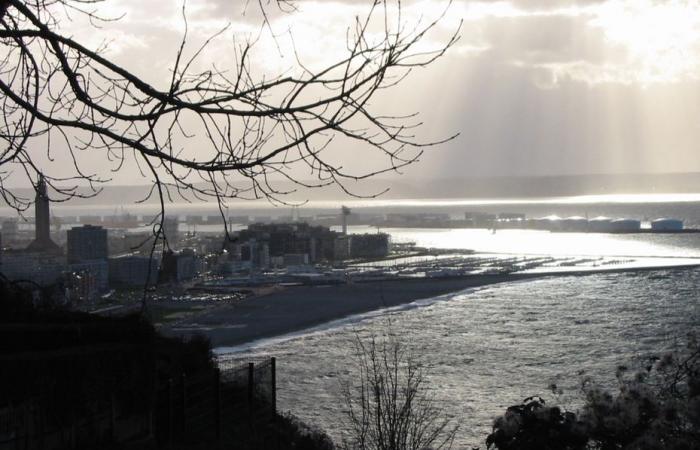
(533, 87)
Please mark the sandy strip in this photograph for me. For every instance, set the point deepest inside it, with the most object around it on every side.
(302, 307)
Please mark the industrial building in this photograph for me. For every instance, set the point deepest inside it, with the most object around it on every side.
(667, 224)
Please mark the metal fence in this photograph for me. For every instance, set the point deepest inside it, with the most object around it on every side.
(233, 404)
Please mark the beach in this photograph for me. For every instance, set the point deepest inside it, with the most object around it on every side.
(296, 308)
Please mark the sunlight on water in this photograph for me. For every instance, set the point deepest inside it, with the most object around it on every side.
(489, 348)
(546, 243)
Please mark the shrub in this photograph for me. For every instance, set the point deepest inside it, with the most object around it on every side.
(654, 408)
(534, 426)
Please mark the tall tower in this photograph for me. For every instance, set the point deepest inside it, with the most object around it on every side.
(345, 212)
(42, 220)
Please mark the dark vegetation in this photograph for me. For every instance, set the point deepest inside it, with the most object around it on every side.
(70, 365)
(64, 368)
(656, 407)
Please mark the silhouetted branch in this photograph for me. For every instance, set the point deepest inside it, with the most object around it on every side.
(255, 132)
(205, 134)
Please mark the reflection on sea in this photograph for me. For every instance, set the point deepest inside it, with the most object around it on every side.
(531, 242)
(491, 347)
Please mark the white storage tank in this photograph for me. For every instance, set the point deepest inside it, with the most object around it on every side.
(600, 224)
(575, 223)
(625, 225)
(664, 224)
(551, 223)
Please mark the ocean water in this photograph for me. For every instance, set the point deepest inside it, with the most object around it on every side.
(534, 242)
(488, 348)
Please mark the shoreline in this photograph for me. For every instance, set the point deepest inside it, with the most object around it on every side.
(302, 308)
(298, 308)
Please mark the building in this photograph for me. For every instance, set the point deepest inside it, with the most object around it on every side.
(256, 252)
(42, 218)
(194, 219)
(171, 230)
(238, 220)
(600, 224)
(509, 216)
(177, 267)
(43, 269)
(667, 225)
(10, 231)
(132, 271)
(215, 220)
(264, 243)
(89, 278)
(574, 223)
(341, 248)
(625, 225)
(87, 243)
(369, 245)
(90, 219)
(480, 219)
(295, 259)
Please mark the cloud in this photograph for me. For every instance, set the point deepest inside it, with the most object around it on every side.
(534, 86)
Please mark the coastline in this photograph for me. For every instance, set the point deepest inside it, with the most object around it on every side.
(299, 308)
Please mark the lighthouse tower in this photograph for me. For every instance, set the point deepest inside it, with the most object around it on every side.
(42, 221)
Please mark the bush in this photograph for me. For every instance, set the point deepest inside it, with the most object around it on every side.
(654, 408)
(535, 426)
(295, 434)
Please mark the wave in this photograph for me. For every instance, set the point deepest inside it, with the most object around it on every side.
(345, 321)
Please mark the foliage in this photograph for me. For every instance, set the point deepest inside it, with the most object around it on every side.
(535, 426)
(295, 434)
(69, 359)
(654, 408)
(389, 404)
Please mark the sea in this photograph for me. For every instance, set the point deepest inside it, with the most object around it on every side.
(488, 348)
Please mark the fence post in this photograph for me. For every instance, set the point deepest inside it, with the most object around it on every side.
(41, 418)
(73, 429)
(273, 386)
(251, 390)
(112, 418)
(171, 413)
(27, 426)
(273, 390)
(217, 393)
(183, 405)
